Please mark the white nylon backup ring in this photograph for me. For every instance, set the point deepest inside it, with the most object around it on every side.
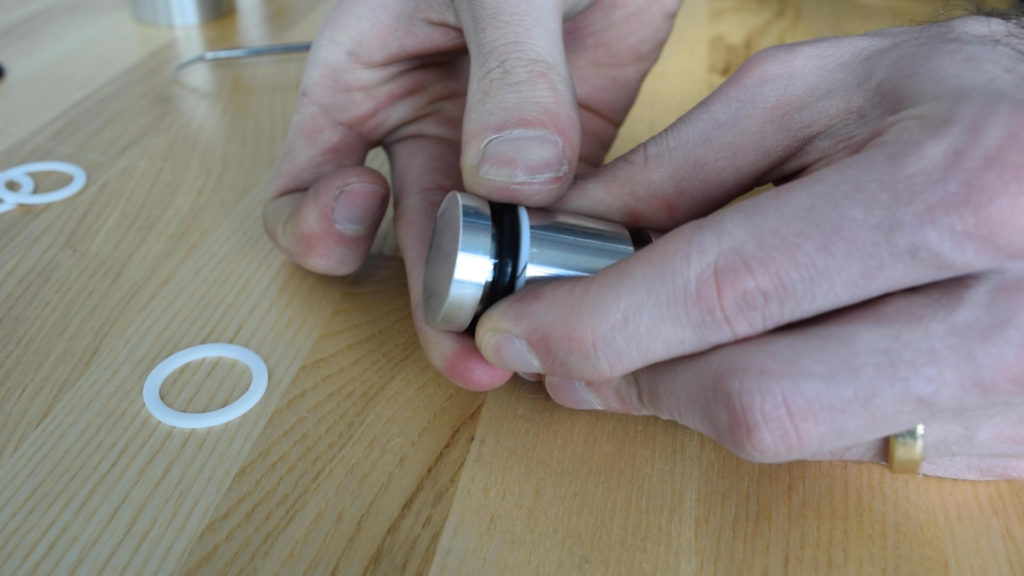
(26, 186)
(172, 417)
(78, 180)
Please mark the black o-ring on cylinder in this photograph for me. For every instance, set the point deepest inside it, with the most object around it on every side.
(505, 236)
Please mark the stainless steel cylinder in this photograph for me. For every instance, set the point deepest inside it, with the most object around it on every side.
(180, 12)
(565, 245)
(480, 252)
(460, 262)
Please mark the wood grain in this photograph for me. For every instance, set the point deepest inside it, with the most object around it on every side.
(360, 458)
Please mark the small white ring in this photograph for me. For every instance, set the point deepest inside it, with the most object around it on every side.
(78, 180)
(172, 417)
(26, 186)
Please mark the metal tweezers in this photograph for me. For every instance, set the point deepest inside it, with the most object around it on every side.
(235, 53)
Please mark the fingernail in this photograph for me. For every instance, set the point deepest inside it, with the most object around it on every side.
(506, 351)
(572, 394)
(521, 156)
(529, 376)
(357, 208)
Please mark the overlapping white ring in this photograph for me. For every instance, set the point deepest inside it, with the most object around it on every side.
(26, 186)
(20, 173)
(172, 417)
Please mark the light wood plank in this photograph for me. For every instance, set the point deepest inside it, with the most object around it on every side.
(361, 458)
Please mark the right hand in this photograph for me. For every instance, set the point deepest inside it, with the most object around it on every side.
(504, 99)
(880, 284)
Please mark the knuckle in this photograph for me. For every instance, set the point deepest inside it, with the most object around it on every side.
(588, 352)
(740, 297)
(318, 258)
(779, 62)
(801, 105)
(304, 247)
(1004, 215)
(664, 207)
(308, 246)
(772, 64)
(982, 207)
(569, 339)
(755, 418)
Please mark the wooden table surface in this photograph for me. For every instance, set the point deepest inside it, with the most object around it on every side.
(360, 458)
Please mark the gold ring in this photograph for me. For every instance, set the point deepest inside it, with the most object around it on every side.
(906, 450)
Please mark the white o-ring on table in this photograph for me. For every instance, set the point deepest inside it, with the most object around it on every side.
(26, 186)
(78, 180)
(172, 417)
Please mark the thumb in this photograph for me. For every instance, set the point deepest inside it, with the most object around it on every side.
(521, 128)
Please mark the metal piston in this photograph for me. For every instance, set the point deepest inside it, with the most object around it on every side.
(481, 252)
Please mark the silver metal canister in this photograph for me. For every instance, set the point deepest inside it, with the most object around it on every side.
(481, 252)
(180, 12)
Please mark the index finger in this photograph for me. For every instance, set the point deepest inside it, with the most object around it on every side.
(769, 120)
(821, 243)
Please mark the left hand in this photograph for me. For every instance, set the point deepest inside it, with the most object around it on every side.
(508, 100)
(880, 284)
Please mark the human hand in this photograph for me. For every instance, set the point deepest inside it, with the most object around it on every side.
(537, 101)
(880, 284)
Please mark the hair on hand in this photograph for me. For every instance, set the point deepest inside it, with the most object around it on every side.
(1014, 14)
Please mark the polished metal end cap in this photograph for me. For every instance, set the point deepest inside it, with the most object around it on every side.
(180, 12)
(460, 262)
